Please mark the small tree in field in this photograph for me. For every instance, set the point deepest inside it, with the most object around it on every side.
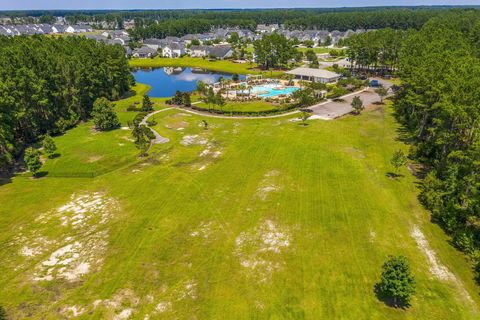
(205, 124)
(104, 115)
(397, 281)
(147, 104)
(398, 160)
(357, 104)
(32, 160)
(304, 115)
(49, 146)
(382, 92)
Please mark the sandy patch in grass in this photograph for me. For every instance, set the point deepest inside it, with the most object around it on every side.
(87, 210)
(121, 306)
(84, 239)
(354, 152)
(33, 245)
(74, 260)
(125, 128)
(268, 185)
(163, 306)
(211, 151)
(94, 158)
(193, 140)
(436, 267)
(260, 250)
(72, 311)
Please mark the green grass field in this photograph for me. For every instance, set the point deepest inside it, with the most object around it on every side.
(250, 219)
(218, 65)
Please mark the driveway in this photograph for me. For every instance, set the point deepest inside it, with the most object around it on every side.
(332, 109)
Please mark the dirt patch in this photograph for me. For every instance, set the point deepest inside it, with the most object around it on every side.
(354, 152)
(193, 140)
(94, 158)
(84, 240)
(72, 311)
(260, 250)
(269, 184)
(74, 260)
(436, 267)
(211, 151)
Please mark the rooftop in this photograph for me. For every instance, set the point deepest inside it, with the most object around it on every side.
(310, 72)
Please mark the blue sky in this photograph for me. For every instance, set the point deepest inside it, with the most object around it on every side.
(186, 4)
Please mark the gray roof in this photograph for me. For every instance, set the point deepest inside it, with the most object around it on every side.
(219, 51)
(145, 50)
(154, 41)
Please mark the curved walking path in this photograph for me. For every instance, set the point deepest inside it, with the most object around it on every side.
(158, 138)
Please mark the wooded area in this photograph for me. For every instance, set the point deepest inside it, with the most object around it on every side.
(438, 104)
(47, 85)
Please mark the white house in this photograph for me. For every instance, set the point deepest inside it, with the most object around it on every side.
(198, 51)
(61, 28)
(173, 50)
(317, 75)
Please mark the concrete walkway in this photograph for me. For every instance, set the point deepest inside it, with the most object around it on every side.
(158, 138)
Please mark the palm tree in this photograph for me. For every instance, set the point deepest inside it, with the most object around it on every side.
(249, 88)
(243, 88)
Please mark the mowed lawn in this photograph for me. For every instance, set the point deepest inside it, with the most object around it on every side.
(250, 219)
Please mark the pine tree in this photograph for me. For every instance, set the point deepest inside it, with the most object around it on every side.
(397, 281)
(104, 115)
(147, 104)
(32, 160)
(49, 146)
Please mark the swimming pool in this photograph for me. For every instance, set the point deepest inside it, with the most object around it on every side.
(271, 90)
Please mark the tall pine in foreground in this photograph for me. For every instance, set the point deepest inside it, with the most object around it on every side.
(397, 282)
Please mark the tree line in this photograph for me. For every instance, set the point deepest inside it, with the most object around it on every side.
(48, 85)
(439, 106)
(375, 50)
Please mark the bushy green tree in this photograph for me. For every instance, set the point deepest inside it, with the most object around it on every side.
(382, 92)
(304, 115)
(397, 281)
(143, 137)
(147, 104)
(398, 160)
(32, 160)
(357, 104)
(49, 146)
(104, 115)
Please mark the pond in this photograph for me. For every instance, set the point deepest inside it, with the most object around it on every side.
(165, 81)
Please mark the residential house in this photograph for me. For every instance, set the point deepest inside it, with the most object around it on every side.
(220, 51)
(173, 50)
(144, 52)
(154, 43)
(198, 51)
